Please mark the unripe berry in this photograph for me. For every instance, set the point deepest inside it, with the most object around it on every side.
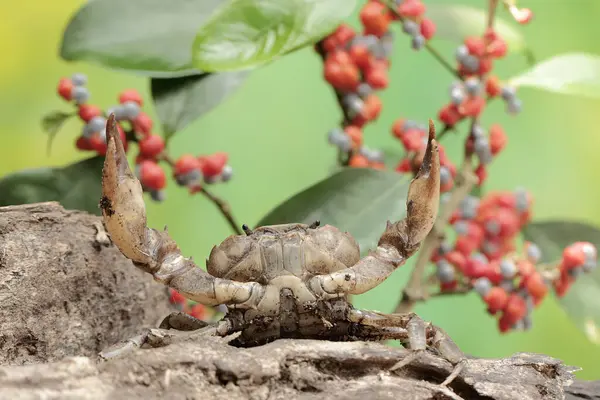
(79, 79)
(339, 139)
(131, 110)
(445, 271)
(158, 195)
(364, 90)
(131, 95)
(462, 52)
(227, 173)
(87, 112)
(65, 89)
(96, 124)
(151, 146)
(151, 175)
(418, 41)
(482, 286)
(508, 269)
(410, 27)
(80, 94)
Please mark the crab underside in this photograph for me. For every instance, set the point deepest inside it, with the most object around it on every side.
(282, 281)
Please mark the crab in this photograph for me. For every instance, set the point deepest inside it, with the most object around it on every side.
(279, 281)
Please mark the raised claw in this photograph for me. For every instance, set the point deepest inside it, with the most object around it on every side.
(424, 193)
(122, 202)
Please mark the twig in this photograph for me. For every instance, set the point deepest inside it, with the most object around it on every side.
(493, 5)
(221, 204)
(223, 207)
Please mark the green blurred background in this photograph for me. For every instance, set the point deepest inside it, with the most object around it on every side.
(274, 130)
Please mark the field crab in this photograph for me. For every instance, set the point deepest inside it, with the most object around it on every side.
(281, 281)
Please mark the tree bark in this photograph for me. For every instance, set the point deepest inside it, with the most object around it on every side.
(66, 293)
(65, 290)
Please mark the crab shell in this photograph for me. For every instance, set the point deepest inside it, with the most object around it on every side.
(277, 250)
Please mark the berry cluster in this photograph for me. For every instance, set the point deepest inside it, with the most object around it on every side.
(483, 258)
(194, 309)
(135, 125)
(414, 139)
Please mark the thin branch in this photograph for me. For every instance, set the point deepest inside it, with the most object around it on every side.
(493, 6)
(223, 207)
(221, 204)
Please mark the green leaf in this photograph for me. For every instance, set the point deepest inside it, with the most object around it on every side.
(180, 101)
(456, 22)
(570, 73)
(248, 33)
(151, 37)
(581, 301)
(356, 200)
(76, 186)
(52, 123)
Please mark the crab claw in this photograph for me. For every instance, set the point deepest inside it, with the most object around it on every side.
(424, 193)
(122, 201)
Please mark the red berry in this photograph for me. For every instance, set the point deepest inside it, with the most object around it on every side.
(198, 311)
(131, 95)
(428, 28)
(330, 43)
(505, 323)
(457, 259)
(142, 124)
(375, 18)
(465, 245)
(344, 33)
(177, 298)
(536, 287)
(498, 139)
(497, 48)
(398, 128)
(98, 144)
(358, 161)
(449, 115)
(573, 256)
(492, 86)
(360, 55)
(476, 46)
(472, 107)
(404, 166)
(496, 299)
(83, 143)
(377, 78)
(65, 87)
(355, 134)
(481, 173)
(88, 111)
(485, 66)
(151, 146)
(372, 107)
(516, 308)
(411, 8)
(186, 163)
(448, 286)
(213, 165)
(152, 175)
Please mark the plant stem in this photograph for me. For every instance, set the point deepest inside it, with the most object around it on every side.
(221, 204)
(415, 290)
(445, 63)
(493, 6)
(223, 207)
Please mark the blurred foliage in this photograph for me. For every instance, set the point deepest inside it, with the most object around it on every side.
(277, 144)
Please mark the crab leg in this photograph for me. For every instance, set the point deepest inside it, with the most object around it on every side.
(400, 240)
(154, 251)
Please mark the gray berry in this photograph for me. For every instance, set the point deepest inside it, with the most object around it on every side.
(477, 131)
(131, 109)
(576, 272)
(444, 198)
(222, 308)
(480, 257)
(518, 326)
(445, 271)
(445, 247)
(353, 103)
(481, 144)
(461, 227)
(457, 96)
(338, 138)
(527, 322)
(194, 176)
(514, 106)
(473, 86)
(471, 63)
(80, 94)
(79, 79)
(158, 195)
(508, 93)
(97, 124)
(410, 124)
(418, 42)
(534, 253)
(508, 269)
(489, 247)
(364, 89)
(589, 266)
(482, 286)
(590, 252)
(227, 173)
(210, 179)
(462, 52)
(508, 285)
(521, 201)
(445, 175)
(410, 27)
(468, 207)
(492, 227)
